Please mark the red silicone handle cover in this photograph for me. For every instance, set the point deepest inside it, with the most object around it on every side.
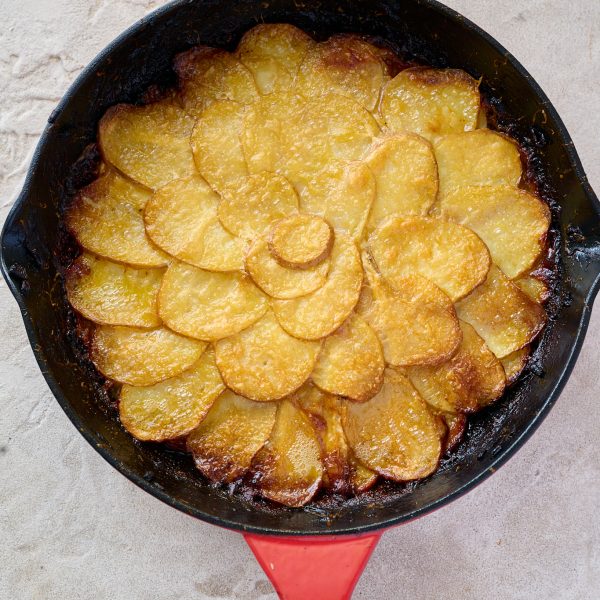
(313, 568)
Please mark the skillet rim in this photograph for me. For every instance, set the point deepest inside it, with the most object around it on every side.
(501, 458)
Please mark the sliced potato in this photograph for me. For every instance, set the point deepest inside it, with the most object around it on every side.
(233, 431)
(182, 219)
(326, 413)
(259, 200)
(431, 102)
(393, 64)
(177, 215)
(406, 176)
(206, 305)
(361, 478)
(106, 218)
(318, 314)
(344, 64)
(263, 127)
(416, 322)
(281, 282)
(217, 146)
(487, 380)
(327, 129)
(342, 192)
(220, 250)
(113, 294)
(449, 255)
(505, 317)
(350, 201)
(445, 387)
(273, 53)
(394, 433)
(512, 222)
(470, 380)
(150, 144)
(351, 361)
(173, 407)
(263, 362)
(301, 241)
(480, 157)
(288, 468)
(207, 75)
(514, 364)
(456, 424)
(142, 356)
(537, 289)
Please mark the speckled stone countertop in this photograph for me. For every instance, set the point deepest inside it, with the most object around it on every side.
(72, 527)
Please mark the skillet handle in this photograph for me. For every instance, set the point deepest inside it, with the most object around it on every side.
(302, 568)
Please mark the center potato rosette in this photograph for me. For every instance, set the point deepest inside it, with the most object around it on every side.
(309, 261)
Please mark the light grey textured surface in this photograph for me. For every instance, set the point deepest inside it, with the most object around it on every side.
(72, 527)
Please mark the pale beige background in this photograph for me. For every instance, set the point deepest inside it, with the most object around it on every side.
(72, 527)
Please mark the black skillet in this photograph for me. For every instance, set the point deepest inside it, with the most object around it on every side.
(33, 249)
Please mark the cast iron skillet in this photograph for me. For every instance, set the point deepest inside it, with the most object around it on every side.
(141, 56)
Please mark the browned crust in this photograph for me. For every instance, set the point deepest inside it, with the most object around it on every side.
(184, 63)
(432, 77)
(456, 430)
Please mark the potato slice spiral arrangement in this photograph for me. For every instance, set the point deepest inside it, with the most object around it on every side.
(308, 261)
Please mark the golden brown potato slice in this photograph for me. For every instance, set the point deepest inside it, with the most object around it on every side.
(349, 202)
(449, 255)
(393, 64)
(514, 364)
(471, 379)
(327, 129)
(361, 478)
(456, 425)
(220, 250)
(206, 305)
(505, 317)
(318, 314)
(342, 192)
(281, 282)
(480, 157)
(142, 356)
(406, 175)
(263, 362)
(445, 387)
(273, 53)
(150, 144)
(113, 294)
(173, 407)
(263, 127)
(301, 241)
(182, 219)
(288, 468)
(207, 75)
(343, 472)
(344, 64)
(537, 289)
(259, 200)
(217, 146)
(351, 361)
(394, 433)
(487, 379)
(233, 431)
(106, 218)
(431, 102)
(415, 322)
(325, 411)
(512, 222)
